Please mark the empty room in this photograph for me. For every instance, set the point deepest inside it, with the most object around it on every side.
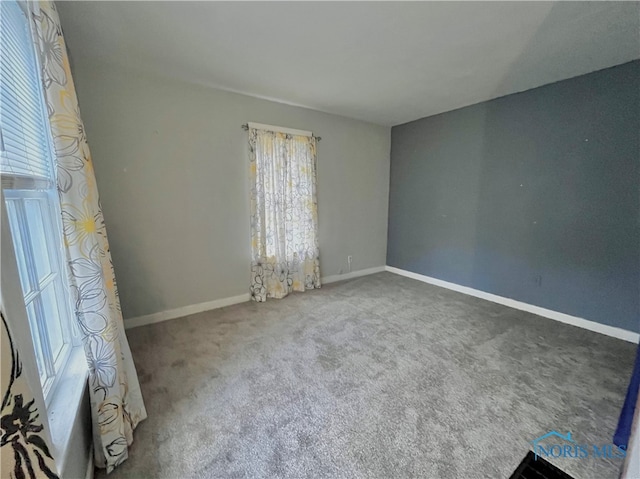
(320, 239)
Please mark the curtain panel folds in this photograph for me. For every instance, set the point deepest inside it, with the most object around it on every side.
(116, 400)
(284, 214)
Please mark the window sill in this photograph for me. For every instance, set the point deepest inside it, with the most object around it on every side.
(66, 404)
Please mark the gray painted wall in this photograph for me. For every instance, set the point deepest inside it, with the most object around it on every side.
(533, 196)
(171, 163)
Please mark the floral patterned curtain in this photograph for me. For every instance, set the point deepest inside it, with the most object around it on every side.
(116, 400)
(24, 447)
(284, 214)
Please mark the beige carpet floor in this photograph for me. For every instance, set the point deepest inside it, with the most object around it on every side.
(378, 377)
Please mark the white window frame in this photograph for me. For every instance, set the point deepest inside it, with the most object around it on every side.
(18, 190)
(54, 361)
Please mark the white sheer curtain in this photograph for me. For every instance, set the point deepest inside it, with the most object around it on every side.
(284, 214)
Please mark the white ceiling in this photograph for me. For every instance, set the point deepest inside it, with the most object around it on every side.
(384, 62)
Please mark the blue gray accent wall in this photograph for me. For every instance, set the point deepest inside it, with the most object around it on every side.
(533, 196)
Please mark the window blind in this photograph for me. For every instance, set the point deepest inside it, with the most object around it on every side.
(24, 147)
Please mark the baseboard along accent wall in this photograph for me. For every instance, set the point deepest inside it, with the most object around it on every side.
(611, 331)
(531, 196)
(607, 330)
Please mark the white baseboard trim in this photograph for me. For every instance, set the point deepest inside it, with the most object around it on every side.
(221, 303)
(184, 311)
(612, 331)
(353, 274)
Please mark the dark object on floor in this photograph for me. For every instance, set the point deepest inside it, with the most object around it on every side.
(532, 468)
(623, 431)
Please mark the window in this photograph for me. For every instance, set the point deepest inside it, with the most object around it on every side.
(28, 183)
